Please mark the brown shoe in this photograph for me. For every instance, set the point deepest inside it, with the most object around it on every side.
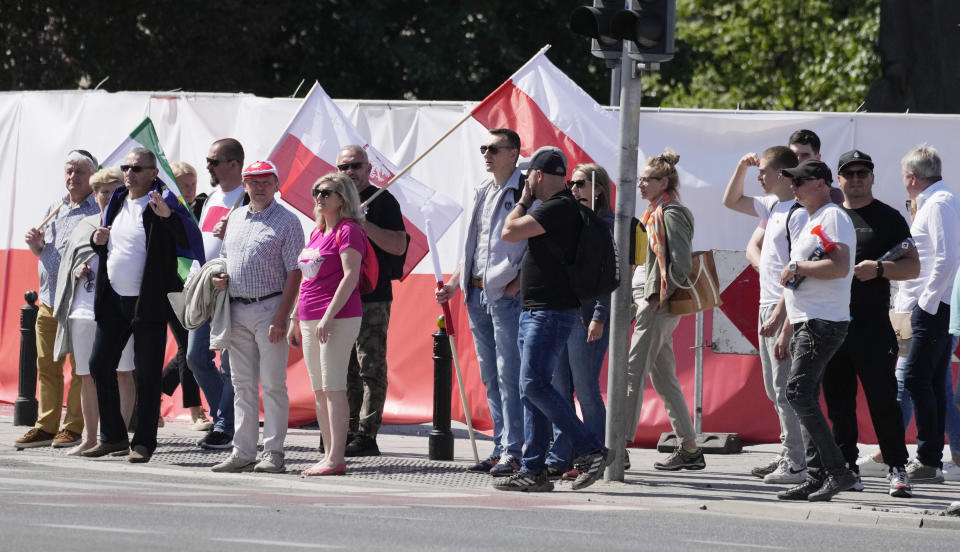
(66, 438)
(103, 449)
(34, 438)
(139, 455)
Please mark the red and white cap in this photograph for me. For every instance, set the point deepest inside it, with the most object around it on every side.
(260, 168)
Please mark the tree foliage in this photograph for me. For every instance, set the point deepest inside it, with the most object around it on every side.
(758, 54)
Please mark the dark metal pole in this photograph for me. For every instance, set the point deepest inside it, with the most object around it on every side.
(25, 407)
(440, 441)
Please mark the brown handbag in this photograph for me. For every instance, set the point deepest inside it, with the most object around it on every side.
(701, 290)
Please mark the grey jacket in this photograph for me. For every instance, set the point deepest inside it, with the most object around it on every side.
(503, 257)
(200, 301)
(77, 253)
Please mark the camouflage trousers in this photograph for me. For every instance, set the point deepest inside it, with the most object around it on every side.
(367, 374)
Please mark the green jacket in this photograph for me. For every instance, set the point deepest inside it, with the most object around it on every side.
(678, 227)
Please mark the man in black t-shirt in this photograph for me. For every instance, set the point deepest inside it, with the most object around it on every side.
(367, 373)
(550, 308)
(870, 348)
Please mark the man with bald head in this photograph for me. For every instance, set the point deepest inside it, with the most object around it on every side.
(367, 374)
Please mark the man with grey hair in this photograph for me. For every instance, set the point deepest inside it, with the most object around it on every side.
(367, 373)
(936, 230)
(48, 244)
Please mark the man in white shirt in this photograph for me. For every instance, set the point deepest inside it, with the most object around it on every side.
(776, 209)
(818, 314)
(225, 164)
(936, 231)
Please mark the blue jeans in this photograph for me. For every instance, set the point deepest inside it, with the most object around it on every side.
(543, 335)
(495, 328)
(952, 422)
(579, 370)
(215, 383)
(813, 344)
(928, 359)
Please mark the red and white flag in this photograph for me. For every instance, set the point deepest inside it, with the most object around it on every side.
(308, 150)
(546, 108)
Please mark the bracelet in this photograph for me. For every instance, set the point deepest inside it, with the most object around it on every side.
(879, 269)
(524, 205)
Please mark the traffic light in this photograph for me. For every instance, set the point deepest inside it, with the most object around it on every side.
(648, 29)
(596, 22)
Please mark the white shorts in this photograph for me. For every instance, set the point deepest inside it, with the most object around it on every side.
(327, 363)
(82, 333)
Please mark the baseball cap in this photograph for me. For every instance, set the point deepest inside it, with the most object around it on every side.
(260, 168)
(855, 157)
(810, 168)
(547, 159)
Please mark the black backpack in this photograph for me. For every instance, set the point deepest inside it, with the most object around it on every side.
(595, 270)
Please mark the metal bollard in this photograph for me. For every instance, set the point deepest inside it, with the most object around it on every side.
(441, 438)
(25, 407)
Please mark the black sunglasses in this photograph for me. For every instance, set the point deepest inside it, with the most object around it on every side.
(347, 166)
(216, 162)
(134, 168)
(324, 193)
(799, 181)
(493, 149)
(577, 183)
(861, 173)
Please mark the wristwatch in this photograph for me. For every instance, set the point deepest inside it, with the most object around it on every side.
(792, 266)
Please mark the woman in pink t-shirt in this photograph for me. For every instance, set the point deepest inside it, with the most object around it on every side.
(328, 312)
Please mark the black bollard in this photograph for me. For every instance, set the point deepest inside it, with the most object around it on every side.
(441, 438)
(25, 407)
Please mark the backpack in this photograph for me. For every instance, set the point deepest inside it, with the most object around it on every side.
(595, 270)
(786, 225)
(369, 267)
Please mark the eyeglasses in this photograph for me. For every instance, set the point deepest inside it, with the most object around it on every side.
(344, 167)
(493, 149)
(799, 181)
(216, 162)
(861, 173)
(323, 193)
(647, 179)
(134, 168)
(577, 183)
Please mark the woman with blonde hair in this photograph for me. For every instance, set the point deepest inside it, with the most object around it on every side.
(327, 318)
(669, 227)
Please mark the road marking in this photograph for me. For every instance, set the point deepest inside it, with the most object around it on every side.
(738, 544)
(431, 494)
(593, 507)
(206, 504)
(278, 543)
(557, 530)
(96, 528)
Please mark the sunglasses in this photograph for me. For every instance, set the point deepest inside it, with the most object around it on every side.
(134, 168)
(493, 149)
(799, 181)
(577, 183)
(347, 166)
(861, 173)
(647, 179)
(216, 162)
(323, 193)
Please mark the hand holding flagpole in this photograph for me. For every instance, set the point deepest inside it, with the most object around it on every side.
(451, 333)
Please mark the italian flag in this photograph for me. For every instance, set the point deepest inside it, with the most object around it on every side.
(145, 136)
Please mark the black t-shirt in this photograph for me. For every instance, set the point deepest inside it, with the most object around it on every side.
(385, 213)
(879, 228)
(543, 273)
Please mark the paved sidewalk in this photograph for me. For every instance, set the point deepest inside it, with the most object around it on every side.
(725, 487)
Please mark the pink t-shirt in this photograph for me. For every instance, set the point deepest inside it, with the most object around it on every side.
(316, 292)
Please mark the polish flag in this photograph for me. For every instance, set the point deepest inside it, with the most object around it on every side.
(308, 149)
(546, 108)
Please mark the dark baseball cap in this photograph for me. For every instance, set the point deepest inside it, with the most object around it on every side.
(855, 157)
(547, 159)
(810, 168)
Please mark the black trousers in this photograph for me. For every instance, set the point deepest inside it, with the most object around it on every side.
(869, 353)
(115, 326)
(176, 372)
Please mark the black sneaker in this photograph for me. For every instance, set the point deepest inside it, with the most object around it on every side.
(215, 440)
(554, 473)
(526, 482)
(362, 445)
(682, 460)
(507, 466)
(833, 485)
(484, 466)
(589, 468)
(801, 491)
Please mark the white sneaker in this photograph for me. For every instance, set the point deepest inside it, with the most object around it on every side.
(234, 463)
(951, 471)
(270, 462)
(786, 474)
(871, 468)
(899, 484)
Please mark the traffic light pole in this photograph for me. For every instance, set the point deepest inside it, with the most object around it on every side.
(617, 416)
